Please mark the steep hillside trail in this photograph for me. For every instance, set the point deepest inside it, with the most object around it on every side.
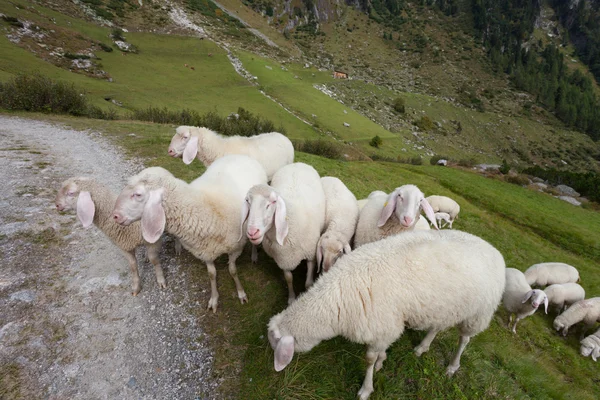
(69, 326)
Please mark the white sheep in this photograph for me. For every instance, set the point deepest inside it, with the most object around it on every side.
(288, 218)
(445, 217)
(272, 150)
(363, 202)
(549, 273)
(562, 295)
(341, 216)
(591, 346)
(204, 215)
(587, 311)
(517, 294)
(94, 203)
(396, 213)
(444, 204)
(430, 281)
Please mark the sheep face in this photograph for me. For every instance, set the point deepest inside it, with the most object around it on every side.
(406, 202)
(179, 141)
(537, 297)
(130, 204)
(70, 197)
(67, 195)
(558, 325)
(263, 208)
(329, 249)
(586, 349)
(285, 345)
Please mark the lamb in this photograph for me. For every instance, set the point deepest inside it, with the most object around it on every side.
(341, 216)
(517, 294)
(587, 311)
(442, 216)
(272, 150)
(430, 280)
(288, 218)
(563, 295)
(591, 346)
(549, 273)
(94, 203)
(444, 204)
(204, 214)
(397, 213)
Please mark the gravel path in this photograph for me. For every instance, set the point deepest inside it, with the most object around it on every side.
(69, 327)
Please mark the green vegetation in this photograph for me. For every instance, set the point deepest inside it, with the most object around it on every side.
(376, 141)
(587, 184)
(319, 147)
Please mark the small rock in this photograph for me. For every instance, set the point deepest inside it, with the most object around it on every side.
(567, 190)
(347, 125)
(570, 199)
(132, 383)
(27, 296)
(268, 67)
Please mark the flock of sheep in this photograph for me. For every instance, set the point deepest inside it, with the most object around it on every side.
(384, 269)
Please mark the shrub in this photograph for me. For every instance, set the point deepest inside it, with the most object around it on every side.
(319, 147)
(72, 56)
(117, 34)
(467, 162)
(105, 47)
(376, 141)
(504, 168)
(588, 184)
(411, 160)
(425, 123)
(13, 21)
(520, 180)
(433, 160)
(398, 105)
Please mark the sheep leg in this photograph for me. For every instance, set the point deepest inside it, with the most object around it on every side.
(514, 328)
(380, 359)
(455, 364)
(290, 284)
(153, 250)
(310, 270)
(136, 285)
(254, 254)
(367, 387)
(214, 294)
(424, 346)
(177, 247)
(233, 272)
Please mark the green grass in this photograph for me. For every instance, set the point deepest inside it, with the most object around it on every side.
(526, 226)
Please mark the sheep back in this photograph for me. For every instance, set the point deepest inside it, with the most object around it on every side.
(515, 289)
(564, 294)
(544, 274)
(341, 207)
(444, 204)
(587, 311)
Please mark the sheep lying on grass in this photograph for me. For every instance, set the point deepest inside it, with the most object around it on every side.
(94, 203)
(549, 273)
(288, 218)
(204, 215)
(272, 150)
(430, 281)
(517, 296)
(586, 311)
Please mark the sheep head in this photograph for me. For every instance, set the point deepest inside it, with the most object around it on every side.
(263, 208)
(406, 202)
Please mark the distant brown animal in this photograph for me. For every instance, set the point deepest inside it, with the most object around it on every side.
(210, 54)
(193, 68)
(185, 65)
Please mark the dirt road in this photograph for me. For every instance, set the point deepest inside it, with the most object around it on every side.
(69, 327)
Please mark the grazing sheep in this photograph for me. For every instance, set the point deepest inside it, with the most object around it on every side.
(204, 215)
(426, 281)
(549, 273)
(591, 346)
(562, 295)
(272, 150)
(341, 216)
(94, 203)
(587, 311)
(397, 213)
(517, 294)
(444, 204)
(288, 218)
(442, 216)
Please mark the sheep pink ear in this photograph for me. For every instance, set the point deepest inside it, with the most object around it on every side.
(388, 209)
(429, 212)
(190, 151)
(281, 225)
(245, 213)
(153, 217)
(527, 296)
(284, 352)
(546, 304)
(347, 248)
(85, 209)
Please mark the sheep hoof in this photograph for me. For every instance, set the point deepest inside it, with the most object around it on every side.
(364, 393)
(212, 304)
(136, 290)
(451, 370)
(291, 300)
(420, 350)
(243, 298)
(163, 284)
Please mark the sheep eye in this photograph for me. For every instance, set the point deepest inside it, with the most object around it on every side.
(70, 193)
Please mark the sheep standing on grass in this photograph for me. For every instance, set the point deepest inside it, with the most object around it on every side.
(441, 217)
(586, 311)
(430, 281)
(272, 150)
(517, 296)
(288, 218)
(94, 203)
(563, 295)
(341, 216)
(204, 215)
(444, 204)
(549, 273)
(385, 216)
(591, 346)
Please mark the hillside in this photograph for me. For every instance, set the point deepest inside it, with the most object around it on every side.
(455, 104)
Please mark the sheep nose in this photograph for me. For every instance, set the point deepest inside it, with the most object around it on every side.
(171, 151)
(253, 232)
(407, 221)
(59, 207)
(117, 217)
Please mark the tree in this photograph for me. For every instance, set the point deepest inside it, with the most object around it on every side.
(376, 141)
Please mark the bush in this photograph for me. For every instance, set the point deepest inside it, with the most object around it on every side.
(588, 184)
(520, 180)
(399, 105)
(319, 147)
(467, 162)
(72, 56)
(412, 160)
(504, 168)
(244, 123)
(376, 141)
(433, 160)
(117, 34)
(425, 123)
(105, 47)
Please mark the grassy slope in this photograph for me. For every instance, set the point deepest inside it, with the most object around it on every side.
(526, 226)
